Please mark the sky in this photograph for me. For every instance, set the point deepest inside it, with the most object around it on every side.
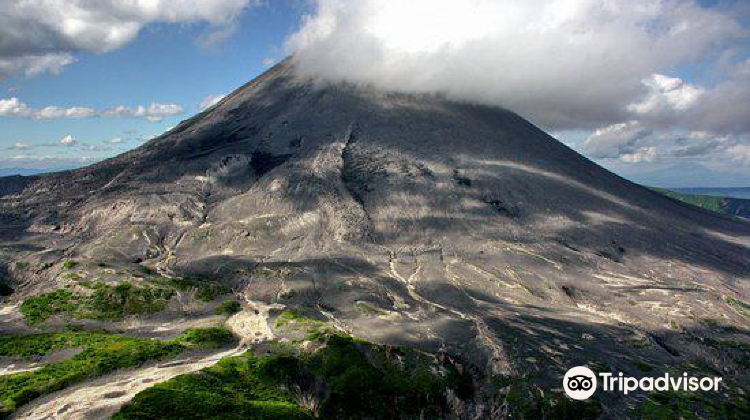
(655, 90)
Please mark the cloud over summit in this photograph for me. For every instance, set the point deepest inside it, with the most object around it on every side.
(565, 64)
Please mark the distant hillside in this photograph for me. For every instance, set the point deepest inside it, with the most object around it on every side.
(720, 192)
(688, 174)
(720, 204)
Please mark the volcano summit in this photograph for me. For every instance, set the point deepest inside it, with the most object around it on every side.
(409, 221)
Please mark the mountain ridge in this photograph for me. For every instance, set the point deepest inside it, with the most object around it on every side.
(406, 220)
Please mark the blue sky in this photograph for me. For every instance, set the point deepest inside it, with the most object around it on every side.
(166, 63)
(170, 57)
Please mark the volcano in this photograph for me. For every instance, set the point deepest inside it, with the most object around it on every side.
(406, 220)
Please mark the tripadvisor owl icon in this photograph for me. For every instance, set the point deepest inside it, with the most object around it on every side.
(579, 383)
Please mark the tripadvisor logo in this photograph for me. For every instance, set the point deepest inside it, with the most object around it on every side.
(580, 383)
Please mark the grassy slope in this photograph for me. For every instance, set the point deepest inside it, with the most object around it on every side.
(346, 378)
(101, 354)
(725, 205)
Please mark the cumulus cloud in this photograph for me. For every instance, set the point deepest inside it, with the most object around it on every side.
(740, 153)
(20, 146)
(94, 148)
(644, 154)
(154, 112)
(615, 140)
(666, 95)
(13, 107)
(633, 142)
(32, 161)
(32, 65)
(565, 64)
(67, 141)
(210, 101)
(41, 36)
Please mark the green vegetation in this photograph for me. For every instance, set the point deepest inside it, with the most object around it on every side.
(740, 349)
(229, 307)
(205, 290)
(22, 265)
(643, 366)
(674, 325)
(725, 205)
(100, 354)
(292, 319)
(146, 270)
(345, 379)
(235, 388)
(667, 405)
(39, 308)
(530, 403)
(115, 302)
(105, 303)
(70, 264)
(368, 309)
(741, 307)
(213, 337)
(307, 328)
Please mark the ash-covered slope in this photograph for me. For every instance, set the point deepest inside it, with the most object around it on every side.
(404, 219)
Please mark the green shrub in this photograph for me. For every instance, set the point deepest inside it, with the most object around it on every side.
(528, 402)
(663, 405)
(22, 265)
(105, 303)
(70, 264)
(115, 302)
(358, 380)
(101, 354)
(643, 366)
(229, 307)
(233, 389)
(205, 290)
(741, 307)
(213, 337)
(146, 270)
(292, 319)
(38, 309)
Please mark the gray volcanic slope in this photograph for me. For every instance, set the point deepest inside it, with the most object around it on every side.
(405, 219)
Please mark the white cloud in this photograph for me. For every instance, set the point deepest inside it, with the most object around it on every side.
(740, 153)
(154, 112)
(666, 95)
(614, 140)
(41, 35)
(565, 64)
(116, 140)
(632, 143)
(67, 141)
(33, 65)
(54, 112)
(13, 107)
(645, 154)
(31, 161)
(157, 112)
(20, 146)
(94, 148)
(210, 101)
